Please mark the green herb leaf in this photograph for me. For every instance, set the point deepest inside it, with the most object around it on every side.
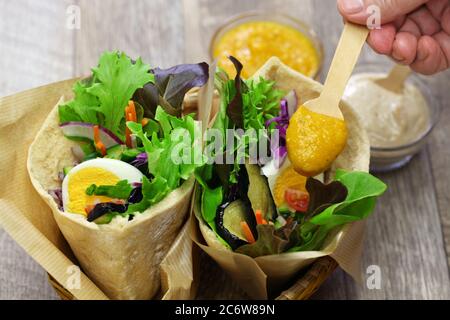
(362, 191)
(152, 192)
(121, 190)
(102, 98)
(83, 108)
(211, 197)
(178, 138)
(261, 103)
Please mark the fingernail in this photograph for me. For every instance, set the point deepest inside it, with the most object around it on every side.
(397, 57)
(421, 54)
(352, 6)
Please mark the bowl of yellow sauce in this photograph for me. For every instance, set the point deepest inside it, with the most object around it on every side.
(253, 38)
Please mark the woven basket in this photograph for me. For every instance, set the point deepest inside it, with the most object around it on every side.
(302, 289)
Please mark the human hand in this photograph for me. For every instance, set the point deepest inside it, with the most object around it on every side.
(413, 32)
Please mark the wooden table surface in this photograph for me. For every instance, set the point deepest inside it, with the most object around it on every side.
(408, 236)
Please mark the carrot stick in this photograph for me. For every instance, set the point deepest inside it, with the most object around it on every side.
(264, 221)
(132, 110)
(247, 232)
(96, 134)
(101, 147)
(128, 137)
(259, 217)
(127, 131)
(97, 142)
(144, 122)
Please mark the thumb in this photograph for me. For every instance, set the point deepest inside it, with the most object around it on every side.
(358, 11)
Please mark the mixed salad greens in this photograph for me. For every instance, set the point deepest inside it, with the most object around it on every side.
(129, 112)
(236, 200)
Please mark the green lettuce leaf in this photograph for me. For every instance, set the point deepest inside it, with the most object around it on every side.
(211, 197)
(245, 105)
(362, 192)
(83, 108)
(121, 190)
(261, 103)
(102, 98)
(350, 198)
(152, 192)
(178, 136)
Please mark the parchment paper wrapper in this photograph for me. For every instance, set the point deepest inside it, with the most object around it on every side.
(263, 276)
(29, 220)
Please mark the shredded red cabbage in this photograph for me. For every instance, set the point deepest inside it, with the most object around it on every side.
(288, 106)
(140, 160)
(57, 196)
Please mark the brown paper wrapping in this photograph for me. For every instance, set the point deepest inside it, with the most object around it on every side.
(28, 219)
(262, 277)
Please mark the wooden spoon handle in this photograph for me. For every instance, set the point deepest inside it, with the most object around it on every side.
(347, 53)
(397, 76)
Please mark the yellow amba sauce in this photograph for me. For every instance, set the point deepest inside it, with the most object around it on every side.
(314, 141)
(253, 43)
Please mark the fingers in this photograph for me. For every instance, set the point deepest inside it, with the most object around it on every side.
(415, 35)
(437, 8)
(356, 10)
(424, 21)
(404, 48)
(400, 46)
(445, 19)
(381, 40)
(430, 57)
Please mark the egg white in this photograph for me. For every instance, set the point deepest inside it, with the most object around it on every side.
(121, 169)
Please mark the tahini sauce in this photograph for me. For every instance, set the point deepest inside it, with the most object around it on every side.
(390, 119)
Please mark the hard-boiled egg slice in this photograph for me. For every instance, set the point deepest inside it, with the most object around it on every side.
(100, 171)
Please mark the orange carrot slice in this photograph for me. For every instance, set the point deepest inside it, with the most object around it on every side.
(144, 122)
(97, 142)
(259, 217)
(247, 232)
(132, 110)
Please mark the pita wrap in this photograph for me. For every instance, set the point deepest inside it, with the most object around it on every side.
(122, 257)
(262, 274)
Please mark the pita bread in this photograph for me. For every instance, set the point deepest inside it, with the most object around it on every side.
(122, 257)
(356, 154)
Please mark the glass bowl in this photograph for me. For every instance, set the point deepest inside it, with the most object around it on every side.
(384, 159)
(280, 18)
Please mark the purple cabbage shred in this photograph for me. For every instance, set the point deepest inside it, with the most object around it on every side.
(140, 160)
(57, 196)
(279, 151)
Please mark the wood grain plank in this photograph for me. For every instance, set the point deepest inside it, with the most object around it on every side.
(404, 235)
(411, 257)
(36, 48)
(152, 30)
(439, 151)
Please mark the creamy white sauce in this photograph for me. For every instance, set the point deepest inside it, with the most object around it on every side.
(390, 119)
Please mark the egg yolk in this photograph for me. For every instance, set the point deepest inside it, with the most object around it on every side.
(253, 43)
(80, 181)
(314, 141)
(288, 179)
